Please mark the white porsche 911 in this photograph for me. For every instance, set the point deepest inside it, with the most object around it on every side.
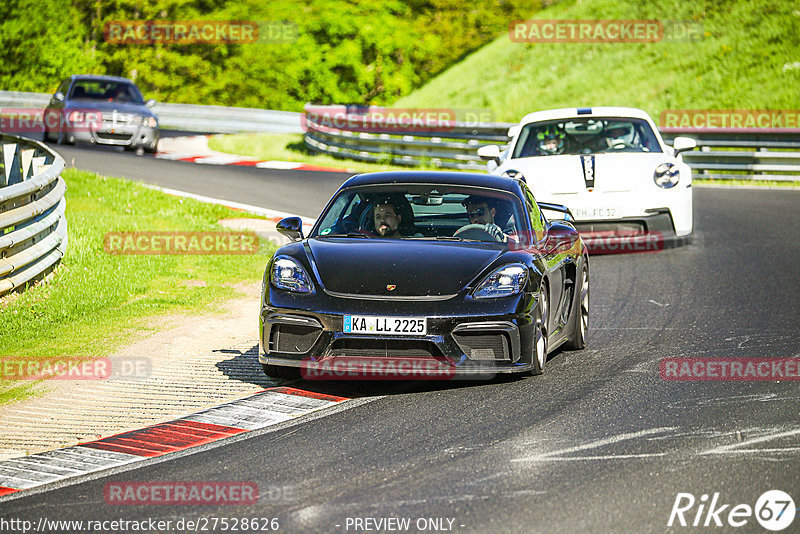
(608, 165)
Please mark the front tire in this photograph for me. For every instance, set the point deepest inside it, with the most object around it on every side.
(279, 371)
(539, 355)
(580, 322)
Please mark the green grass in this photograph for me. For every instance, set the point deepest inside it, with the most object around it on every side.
(95, 302)
(739, 64)
(290, 147)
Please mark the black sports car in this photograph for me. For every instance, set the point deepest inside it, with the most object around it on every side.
(424, 275)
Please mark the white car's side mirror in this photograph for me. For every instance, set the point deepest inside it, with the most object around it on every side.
(490, 153)
(514, 130)
(683, 144)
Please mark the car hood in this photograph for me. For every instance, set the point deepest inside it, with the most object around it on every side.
(613, 172)
(101, 105)
(416, 268)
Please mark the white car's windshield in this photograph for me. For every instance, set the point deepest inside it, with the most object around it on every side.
(416, 211)
(585, 136)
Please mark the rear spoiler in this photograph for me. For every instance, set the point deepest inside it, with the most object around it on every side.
(559, 208)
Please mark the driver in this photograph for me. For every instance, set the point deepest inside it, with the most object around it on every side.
(551, 140)
(620, 135)
(480, 211)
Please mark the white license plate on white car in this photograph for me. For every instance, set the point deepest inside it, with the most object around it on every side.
(596, 213)
(397, 326)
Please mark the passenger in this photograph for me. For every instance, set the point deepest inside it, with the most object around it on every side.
(551, 140)
(387, 220)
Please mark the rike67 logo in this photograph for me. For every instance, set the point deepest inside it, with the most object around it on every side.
(774, 510)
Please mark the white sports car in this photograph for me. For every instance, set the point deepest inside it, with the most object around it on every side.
(608, 165)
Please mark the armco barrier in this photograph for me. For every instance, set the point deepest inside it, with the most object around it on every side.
(33, 229)
(758, 154)
(189, 117)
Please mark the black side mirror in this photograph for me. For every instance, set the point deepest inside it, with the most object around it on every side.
(291, 227)
(560, 238)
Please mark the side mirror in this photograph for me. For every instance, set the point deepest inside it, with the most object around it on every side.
(58, 97)
(560, 239)
(490, 153)
(683, 144)
(150, 103)
(291, 227)
(514, 130)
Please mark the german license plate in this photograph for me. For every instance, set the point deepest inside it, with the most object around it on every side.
(597, 213)
(398, 326)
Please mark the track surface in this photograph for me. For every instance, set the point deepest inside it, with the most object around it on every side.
(599, 443)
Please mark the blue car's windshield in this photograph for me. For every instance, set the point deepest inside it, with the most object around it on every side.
(415, 211)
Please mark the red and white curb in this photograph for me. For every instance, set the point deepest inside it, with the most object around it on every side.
(204, 156)
(269, 407)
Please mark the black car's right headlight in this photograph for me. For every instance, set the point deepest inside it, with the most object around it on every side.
(502, 282)
(289, 275)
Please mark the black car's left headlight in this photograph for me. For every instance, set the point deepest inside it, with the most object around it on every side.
(289, 275)
(502, 282)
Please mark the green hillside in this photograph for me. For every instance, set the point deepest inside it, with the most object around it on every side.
(748, 58)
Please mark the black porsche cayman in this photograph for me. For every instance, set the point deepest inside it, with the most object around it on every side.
(424, 275)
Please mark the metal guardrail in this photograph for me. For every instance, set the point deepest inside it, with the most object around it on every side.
(33, 228)
(189, 117)
(454, 145)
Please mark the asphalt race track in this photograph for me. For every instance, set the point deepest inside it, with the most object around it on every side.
(599, 443)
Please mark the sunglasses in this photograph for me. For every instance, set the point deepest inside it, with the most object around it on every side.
(477, 213)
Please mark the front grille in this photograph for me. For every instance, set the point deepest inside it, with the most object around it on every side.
(121, 118)
(292, 338)
(379, 348)
(626, 228)
(113, 136)
(483, 345)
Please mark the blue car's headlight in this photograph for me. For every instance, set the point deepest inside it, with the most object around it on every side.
(289, 275)
(504, 281)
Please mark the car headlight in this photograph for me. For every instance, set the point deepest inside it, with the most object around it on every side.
(76, 116)
(504, 281)
(150, 122)
(289, 275)
(666, 175)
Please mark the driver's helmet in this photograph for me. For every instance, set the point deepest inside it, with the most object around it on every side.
(551, 139)
(621, 131)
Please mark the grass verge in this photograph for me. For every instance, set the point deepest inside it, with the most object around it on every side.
(290, 147)
(95, 302)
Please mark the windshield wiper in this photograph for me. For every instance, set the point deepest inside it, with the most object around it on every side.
(350, 234)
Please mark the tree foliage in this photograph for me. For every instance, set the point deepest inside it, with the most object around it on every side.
(355, 51)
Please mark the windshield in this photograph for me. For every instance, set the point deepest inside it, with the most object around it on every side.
(417, 211)
(108, 91)
(585, 136)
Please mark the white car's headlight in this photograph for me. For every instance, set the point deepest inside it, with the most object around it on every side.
(666, 175)
(504, 281)
(289, 275)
